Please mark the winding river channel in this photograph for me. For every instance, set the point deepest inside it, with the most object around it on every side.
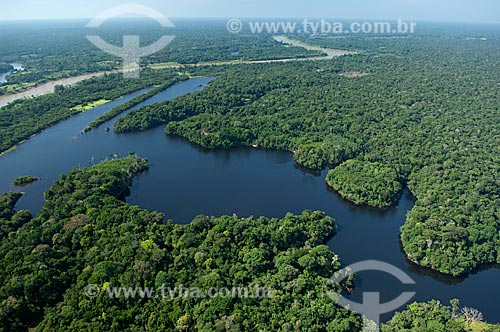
(185, 180)
(49, 86)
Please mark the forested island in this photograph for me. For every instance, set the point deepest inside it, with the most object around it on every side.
(23, 118)
(137, 100)
(86, 235)
(419, 112)
(24, 180)
(437, 138)
(366, 183)
(426, 133)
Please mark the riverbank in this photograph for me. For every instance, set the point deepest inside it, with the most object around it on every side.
(330, 53)
(24, 180)
(49, 87)
(216, 189)
(8, 68)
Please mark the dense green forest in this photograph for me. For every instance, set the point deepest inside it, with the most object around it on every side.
(419, 111)
(366, 183)
(433, 316)
(426, 107)
(23, 118)
(131, 103)
(52, 50)
(10, 220)
(426, 317)
(86, 235)
(24, 180)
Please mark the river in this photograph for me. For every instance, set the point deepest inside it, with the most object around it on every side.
(46, 87)
(185, 180)
(49, 87)
(330, 53)
(16, 66)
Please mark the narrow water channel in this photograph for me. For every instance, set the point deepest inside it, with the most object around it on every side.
(185, 180)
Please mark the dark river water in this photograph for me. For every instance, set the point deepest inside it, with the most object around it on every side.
(185, 180)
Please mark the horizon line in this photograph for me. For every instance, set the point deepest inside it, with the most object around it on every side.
(4, 20)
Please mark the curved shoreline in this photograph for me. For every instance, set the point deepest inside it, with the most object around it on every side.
(226, 149)
(48, 87)
(433, 272)
(330, 53)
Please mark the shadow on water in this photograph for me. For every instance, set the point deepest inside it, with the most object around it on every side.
(185, 180)
(307, 170)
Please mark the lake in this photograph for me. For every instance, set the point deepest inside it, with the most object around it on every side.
(185, 180)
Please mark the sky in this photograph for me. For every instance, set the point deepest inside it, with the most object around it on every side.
(422, 10)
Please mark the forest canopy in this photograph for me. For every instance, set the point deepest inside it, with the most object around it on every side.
(86, 235)
(23, 118)
(427, 107)
(366, 183)
(421, 112)
(24, 180)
